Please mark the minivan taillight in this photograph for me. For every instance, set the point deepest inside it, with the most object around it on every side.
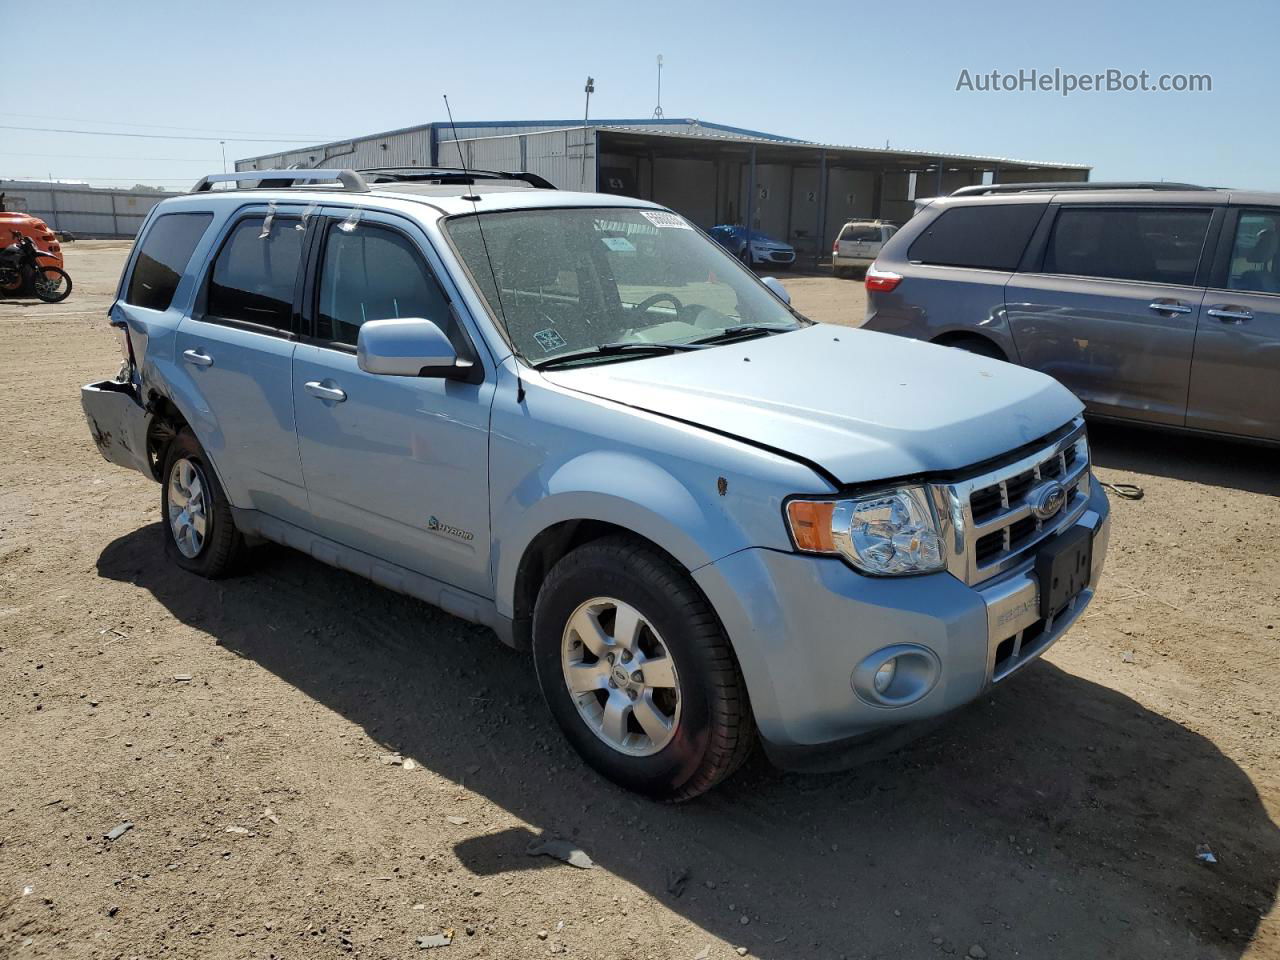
(881, 281)
(835, 247)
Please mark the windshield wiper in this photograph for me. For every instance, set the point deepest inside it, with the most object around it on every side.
(613, 350)
(743, 331)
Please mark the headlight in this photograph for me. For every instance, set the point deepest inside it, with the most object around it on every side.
(890, 533)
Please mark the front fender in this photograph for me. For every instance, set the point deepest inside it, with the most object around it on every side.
(612, 487)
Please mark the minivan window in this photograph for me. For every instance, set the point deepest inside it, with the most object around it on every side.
(1255, 265)
(373, 273)
(861, 232)
(987, 236)
(163, 258)
(254, 275)
(1147, 244)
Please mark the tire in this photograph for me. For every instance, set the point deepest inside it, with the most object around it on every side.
(694, 683)
(745, 257)
(51, 284)
(212, 547)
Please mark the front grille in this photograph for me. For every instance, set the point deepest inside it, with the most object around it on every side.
(993, 522)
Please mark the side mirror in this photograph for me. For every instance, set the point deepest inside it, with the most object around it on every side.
(779, 291)
(407, 347)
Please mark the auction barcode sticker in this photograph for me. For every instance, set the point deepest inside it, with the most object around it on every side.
(660, 218)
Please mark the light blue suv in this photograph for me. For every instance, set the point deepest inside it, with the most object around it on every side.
(577, 420)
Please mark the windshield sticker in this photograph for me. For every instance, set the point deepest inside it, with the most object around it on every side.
(549, 339)
(619, 244)
(664, 219)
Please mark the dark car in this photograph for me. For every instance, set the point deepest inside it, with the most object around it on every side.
(1154, 303)
(763, 250)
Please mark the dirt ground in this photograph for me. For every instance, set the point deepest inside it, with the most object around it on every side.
(1058, 817)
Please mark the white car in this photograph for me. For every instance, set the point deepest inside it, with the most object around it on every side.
(858, 244)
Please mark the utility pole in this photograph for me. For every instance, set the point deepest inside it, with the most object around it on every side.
(657, 111)
(589, 89)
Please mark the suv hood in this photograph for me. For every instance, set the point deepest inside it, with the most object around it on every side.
(864, 406)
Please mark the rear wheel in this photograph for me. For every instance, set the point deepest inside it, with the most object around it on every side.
(200, 533)
(51, 284)
(638, 672)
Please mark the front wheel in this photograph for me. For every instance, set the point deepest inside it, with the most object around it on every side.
(638, 672)
(51, 284)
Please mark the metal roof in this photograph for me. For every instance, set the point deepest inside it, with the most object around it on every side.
(674, 128)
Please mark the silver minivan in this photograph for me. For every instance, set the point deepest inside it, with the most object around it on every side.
(1154, 303)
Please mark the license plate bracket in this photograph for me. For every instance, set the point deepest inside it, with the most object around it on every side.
(1062, 567)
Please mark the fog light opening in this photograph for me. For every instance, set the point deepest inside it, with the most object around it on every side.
(896, 676)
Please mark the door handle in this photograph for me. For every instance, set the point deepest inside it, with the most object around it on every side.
(1230, 314)
(319, 390)
(198, 358)
(1168, 307)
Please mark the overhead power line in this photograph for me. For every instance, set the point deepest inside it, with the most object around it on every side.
(155, 136)
(92, 156)
(151, 126)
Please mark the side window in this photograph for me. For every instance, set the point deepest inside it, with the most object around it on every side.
(374, 273)
(254, 275)
(1148, 244)
(989, 236)
(163, 257)
(1254, 263)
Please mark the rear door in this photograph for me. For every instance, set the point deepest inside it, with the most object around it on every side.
(396, 467)
(1110, 309)
(1235, 370)
(237, 349)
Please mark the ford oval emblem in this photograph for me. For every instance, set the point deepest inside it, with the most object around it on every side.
(1048, 499)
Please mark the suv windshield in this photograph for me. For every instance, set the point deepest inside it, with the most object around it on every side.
(568, 280)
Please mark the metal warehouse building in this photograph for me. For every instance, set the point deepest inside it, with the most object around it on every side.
(793, 190)
(81, 209)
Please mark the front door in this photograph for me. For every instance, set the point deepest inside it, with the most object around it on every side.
(1235, 373)
(1111, 311)
(397, 467)
(237, 349)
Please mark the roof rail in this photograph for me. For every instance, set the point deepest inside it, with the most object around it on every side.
(463, 175)
(979, 190)
(351, 181)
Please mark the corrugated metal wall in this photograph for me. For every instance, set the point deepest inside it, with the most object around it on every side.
(82, 210)
(566, 157)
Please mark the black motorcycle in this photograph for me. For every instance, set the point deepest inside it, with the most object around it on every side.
(21, 272)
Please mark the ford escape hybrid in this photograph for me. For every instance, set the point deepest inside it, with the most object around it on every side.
(577, 420)
(1156, 304)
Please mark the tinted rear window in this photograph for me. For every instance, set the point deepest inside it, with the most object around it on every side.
(989, 236)
(1152, 244)
(254, 274)
(861, 232)
(165, 253)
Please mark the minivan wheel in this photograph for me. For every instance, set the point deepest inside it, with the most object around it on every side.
(638, 672)
(200, 533)
(979, 345)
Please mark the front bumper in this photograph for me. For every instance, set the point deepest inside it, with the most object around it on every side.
(782, 257)
(801, 625)
(118, 423)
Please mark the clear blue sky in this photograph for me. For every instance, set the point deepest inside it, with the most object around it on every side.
(837, 72)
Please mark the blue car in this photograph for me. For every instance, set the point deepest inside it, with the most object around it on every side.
(703, 518)
(764, 249)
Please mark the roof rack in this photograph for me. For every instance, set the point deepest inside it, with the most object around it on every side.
(461, 175)
(978, 190)
(1074, 185)
(351, 181)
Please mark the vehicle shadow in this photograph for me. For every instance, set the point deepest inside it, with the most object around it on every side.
(1054, 818)
(1219, 463)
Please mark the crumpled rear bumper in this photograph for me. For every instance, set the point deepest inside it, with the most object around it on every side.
(118, 423)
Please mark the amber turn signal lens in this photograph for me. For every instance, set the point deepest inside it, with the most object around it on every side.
(811, 525)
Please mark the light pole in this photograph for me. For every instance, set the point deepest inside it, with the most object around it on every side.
(589, 89)
(657, 111)
(223, 145)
